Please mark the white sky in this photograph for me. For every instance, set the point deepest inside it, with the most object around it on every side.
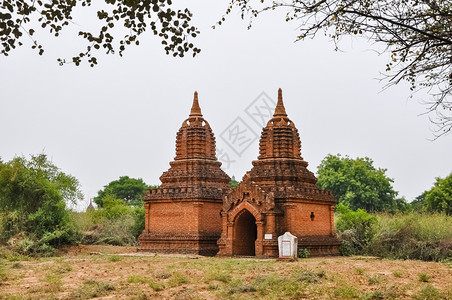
(121, 117)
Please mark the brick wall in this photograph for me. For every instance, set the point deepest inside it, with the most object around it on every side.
(182, 227)
(170, 217)
(209, 217)
(300, 222)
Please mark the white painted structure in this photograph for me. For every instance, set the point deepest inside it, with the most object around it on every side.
(287, 244)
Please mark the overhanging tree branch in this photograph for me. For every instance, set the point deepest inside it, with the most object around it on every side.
(417, 35)
(402, 25)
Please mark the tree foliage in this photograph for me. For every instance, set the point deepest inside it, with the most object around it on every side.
(115, 223)
(412, 235)
(354, 228)
(358, 184)
(439, 197)
(33, 196)
(117, 209)
(233, 183)
(21, 19)
(417, 35)
(130, 190)
(418, 203)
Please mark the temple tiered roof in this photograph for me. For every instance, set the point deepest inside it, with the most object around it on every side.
(183, 214)
(278, 195)
(280, 162)
(195, 138)
(280, 138)
(195, 163)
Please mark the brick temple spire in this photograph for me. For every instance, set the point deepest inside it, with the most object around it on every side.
(280, 153)
(183, 214)
(280, 138)
(195, 109)
(195, 141)
(280, 110)
(279, 194)
(195, 138)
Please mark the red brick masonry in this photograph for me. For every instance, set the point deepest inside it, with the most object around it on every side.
(183, 214)
(280, 195)
(194, 205)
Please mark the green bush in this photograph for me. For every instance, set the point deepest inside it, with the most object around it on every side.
(116, 223)
(413, 236)
(355, 229)
(138, 214)
(429, 293)
(10, 224)
(238, 287)
(303, 253)
(33, 197)
(424, 277)
(92, 289)
(308, 276)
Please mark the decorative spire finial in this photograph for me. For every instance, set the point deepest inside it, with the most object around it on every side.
(195, 109)
(280, 111)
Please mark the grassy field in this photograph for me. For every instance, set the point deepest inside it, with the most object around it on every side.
(107, 272)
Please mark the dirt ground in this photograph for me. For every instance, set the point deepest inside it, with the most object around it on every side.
(109, 272)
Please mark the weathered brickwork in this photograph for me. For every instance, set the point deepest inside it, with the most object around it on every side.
(183, 214)
(195, 211)
(277, 195)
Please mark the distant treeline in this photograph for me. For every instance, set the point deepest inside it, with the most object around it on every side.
(370, 219)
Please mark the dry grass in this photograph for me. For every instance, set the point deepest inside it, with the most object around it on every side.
(136, 276)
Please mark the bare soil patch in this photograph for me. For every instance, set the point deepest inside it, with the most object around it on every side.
(92, 249)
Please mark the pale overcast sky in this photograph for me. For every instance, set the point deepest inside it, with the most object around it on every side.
(121, 117)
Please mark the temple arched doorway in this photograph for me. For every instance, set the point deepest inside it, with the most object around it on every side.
(245, 234)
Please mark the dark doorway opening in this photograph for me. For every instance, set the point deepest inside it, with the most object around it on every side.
(245, 234)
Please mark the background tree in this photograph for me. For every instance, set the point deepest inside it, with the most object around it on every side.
(358, 184)
(20, 19)
(355, 229)
(115, 223)
(419, 202)
(130, 190)
(417, 34)
(233, 183)
(439, 197)
(33, 196)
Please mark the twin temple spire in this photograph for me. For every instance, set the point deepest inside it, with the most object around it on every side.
(280, 110)
(195, 210)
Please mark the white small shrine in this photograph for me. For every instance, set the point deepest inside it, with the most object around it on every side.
(287, 244)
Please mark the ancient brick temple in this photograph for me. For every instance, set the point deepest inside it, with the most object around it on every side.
(195, 205)
(183, 214)
(278, 195)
